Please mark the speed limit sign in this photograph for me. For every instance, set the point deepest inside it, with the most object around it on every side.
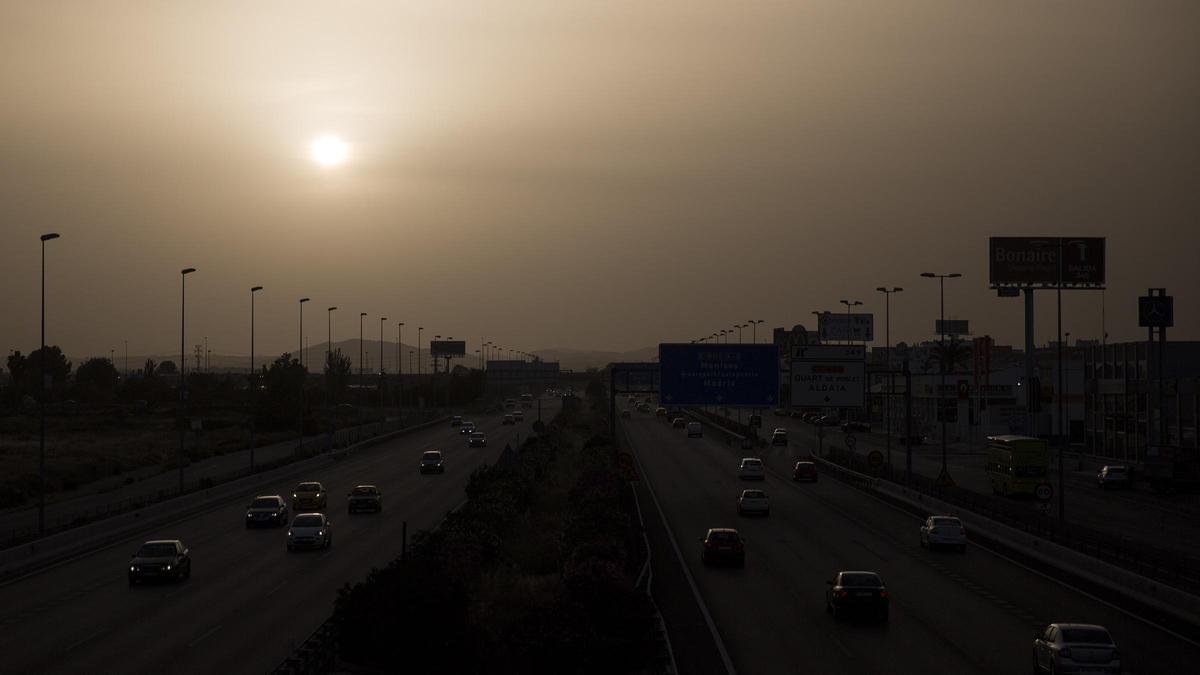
(1044, 491)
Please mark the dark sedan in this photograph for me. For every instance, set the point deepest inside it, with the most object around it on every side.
(857, 593)
(723, 545)
(365, 498)
(160, 559)
(804, 471)
(267, 510)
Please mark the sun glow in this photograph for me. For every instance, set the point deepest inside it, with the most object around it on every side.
(329, 150)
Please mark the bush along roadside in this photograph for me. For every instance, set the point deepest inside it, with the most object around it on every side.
(535, 574)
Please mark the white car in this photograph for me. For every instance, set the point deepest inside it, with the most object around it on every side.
(753, 501)
(309, 530)
(751, 469)
(694, 430)
(1075, 648)
(944, 531)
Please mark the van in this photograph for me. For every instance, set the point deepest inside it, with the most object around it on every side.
(694, 430)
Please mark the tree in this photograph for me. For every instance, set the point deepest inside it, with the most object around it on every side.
(948, 356)
(167, 368)
(149, 369)
(337, 372)
(283, 384)
(97, 380)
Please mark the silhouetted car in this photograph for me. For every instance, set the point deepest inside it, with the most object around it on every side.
(1075, 648)
(1114, 476)
(466, 428)
(431, 462)
(857, 592)
(310, 530)
(944, 531)
(456, 420)
(694, 430)
(508, 419)
(309, 496)
(804, 471)
(645, 407)
(267, 510)
(659, 411)
(519, 415)
(753, 501)
(679, 423)
(160, 559)
(477, 439)
(779, 437)
(827, 421)
(859, 427)
(723, 545)
(365, 498)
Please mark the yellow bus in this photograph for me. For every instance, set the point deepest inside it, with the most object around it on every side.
(1016, 464)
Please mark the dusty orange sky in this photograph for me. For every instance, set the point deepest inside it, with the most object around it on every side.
(584, 174)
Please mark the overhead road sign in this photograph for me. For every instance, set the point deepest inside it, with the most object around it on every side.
(951, 327)
(1046, 262)
(447, 348)
(853, 327)
(635, 377)
(712, 374)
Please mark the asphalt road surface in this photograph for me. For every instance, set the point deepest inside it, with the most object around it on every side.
(249, 601)
(950, 612)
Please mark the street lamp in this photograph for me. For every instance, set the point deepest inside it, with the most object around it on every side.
(182, 364)
(849, 304)
(302, 301)
(419, 368)
(42, 403)
(361, 316)
(382, 363)
(944, 478)
(399, 347)
(887, 322)
(754, 327)
(253, 376)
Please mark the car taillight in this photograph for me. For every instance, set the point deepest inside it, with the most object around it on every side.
(739, 546)
(883, 594)
(709, 543)
(841, 594)
(962, 531)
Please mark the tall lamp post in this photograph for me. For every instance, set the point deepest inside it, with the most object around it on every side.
(419, 368)
(849, 304)
(944, 478)
(382, 362)
(329, 370)
(182, 365)
(42, 399)
(304, 373)
(887, 322)
(253, 377)
(361, 316)
(754, 323)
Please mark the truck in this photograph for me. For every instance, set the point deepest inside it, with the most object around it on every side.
(1169, 467)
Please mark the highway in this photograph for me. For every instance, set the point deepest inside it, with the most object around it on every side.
(953, 613)
(249, 601)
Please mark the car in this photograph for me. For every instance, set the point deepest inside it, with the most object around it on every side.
(723, 545)
(694, 430)
(827, 421)
(678, 423)
(751, 468)
(659, 411)
(466, 428)
(626, 413)
(804, 470)
(477, 439)
(267, 510)
(456, 420)
(809, 417)
(431, 462)
(781, 412)
(160, 559)
(852, 427)
(1075, 648)
(364, 498)
(856, 592)
(508, 419)
(753, 501)
(779, 437)
(518, 415)
(310, 530)
(755, 421)
(1114, 476)
(944, 531)
(644, 407)
(309, 496)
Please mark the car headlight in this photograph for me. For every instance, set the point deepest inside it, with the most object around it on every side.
(295, 496)
(168, 568)
(132, 568)
(320, 533)
(289, 533)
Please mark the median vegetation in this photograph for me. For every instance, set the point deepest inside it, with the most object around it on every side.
(535, 574)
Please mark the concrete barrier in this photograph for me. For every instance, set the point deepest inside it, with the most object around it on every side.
(24, 558)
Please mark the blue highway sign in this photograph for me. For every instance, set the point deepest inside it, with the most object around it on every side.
(712, 374)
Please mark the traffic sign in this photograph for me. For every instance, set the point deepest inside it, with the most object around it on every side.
(944, 479)
(829, 385)
(713, 374)
(1044, 492)
(824, 353)
(850, 440)
(1156, 311)
(875, 459)
(838, 326)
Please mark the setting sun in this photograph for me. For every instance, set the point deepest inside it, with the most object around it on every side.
(328, 150)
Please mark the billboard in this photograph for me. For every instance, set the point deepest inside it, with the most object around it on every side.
(853, 327)
(950, 327)
(1046, 262)
(447, 348)
(829, 376)
(717, 374)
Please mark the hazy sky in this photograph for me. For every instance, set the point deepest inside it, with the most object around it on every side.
(584, 174)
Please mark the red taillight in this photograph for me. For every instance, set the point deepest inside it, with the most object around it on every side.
(709, 543)
(739, 546)
(883, 594)
(841, 594)
(962, 531)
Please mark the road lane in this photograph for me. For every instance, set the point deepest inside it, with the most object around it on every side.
(950, 612)
(249, 601)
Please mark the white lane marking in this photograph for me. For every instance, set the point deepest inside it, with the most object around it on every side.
(712, 627)
(200, 639)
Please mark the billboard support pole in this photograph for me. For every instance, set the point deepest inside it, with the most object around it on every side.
(908, 435)
(1062, 439)
(1030, 401)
